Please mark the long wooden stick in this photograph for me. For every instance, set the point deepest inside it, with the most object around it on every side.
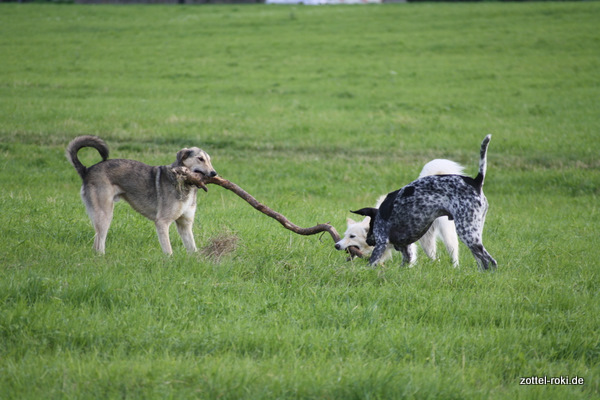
(189, 177)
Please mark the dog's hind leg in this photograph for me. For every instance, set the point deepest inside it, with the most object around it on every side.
(484, 259)
(472, 239)
(100, 210)
(409, 254)
(184, 227)
(427, 241)
(469, 227)
(101, 225)
(162, 229)
(446, 230)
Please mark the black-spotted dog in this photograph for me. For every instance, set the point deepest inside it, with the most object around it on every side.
(406, 214)
(442, 228)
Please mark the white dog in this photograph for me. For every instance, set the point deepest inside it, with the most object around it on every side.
(442, 228)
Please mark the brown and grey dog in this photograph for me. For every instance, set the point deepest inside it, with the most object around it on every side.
(152, 191)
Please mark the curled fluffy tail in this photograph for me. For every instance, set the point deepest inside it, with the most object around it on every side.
(81, 142)
(441, 167)
(483, 161)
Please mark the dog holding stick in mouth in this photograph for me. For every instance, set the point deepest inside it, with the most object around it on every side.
(153, 191)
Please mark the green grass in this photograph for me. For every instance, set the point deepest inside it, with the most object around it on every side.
(314, 111)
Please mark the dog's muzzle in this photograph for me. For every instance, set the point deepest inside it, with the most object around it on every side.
(211, 174)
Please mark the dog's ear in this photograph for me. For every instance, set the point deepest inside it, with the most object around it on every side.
(183, 154)
(367, 212)
(350, 221)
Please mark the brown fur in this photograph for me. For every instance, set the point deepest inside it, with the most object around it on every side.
(153, 191)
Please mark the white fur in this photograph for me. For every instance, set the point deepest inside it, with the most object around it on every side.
(442, 228)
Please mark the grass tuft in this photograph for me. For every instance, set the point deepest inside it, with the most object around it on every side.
(220, 246)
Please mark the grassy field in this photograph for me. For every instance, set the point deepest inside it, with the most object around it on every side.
(314, 111)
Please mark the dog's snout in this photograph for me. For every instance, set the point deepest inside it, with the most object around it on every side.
(213, 174)
(337, 246)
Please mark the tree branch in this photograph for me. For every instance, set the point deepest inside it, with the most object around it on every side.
(185, 175)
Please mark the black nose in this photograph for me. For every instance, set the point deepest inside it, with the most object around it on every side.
(337, 246)
(213, 174)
